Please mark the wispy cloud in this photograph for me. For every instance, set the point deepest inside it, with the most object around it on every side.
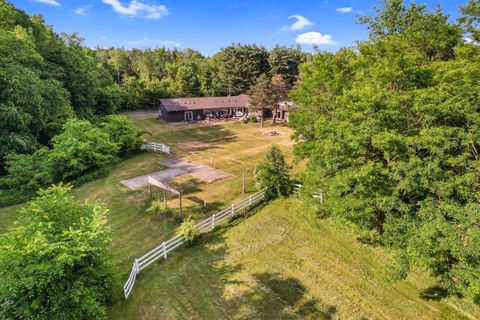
(138, 8)
(149, 42)
(300, 23)
(315, 38)
(82, 11)
(50, 2)
(345, 9)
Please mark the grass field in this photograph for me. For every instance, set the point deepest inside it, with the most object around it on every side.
(281, 262)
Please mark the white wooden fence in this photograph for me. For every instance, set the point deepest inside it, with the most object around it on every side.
(156, 147)
(297, 187)
(203, 226)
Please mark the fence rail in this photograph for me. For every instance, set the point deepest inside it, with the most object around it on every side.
(297, 188)
(156, 147)
(203, 226)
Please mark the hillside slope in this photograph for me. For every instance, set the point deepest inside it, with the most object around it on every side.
(283, 263)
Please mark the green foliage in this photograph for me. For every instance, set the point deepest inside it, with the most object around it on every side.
(285, 61)
(122, 133)
(53, 261)
(159, 208)
(79, 154)
(470, 19)
(80, 148)
(241, 65)
(273, 173)
(392, 132)
(45, 79)
(189, 231)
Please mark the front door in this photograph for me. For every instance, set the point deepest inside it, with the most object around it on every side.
(188, 115)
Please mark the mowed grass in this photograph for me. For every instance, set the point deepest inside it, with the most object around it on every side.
(281, 262)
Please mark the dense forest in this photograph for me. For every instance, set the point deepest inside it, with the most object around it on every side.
(391, 129)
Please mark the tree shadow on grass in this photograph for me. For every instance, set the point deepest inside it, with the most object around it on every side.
(434, 293)
(277, 297)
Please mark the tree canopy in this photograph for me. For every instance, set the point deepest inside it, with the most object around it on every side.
(53, 262)
(391, 129)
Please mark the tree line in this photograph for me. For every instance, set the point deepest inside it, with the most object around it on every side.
(391, 129)
(146, 75)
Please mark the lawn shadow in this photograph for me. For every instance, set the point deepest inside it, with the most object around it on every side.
(277, 297)
(434, 293)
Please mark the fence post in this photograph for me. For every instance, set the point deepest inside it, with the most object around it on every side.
(137, 268)
(164, 251)
(213, 221)
(233, 210)
(250, 200)
(154, 147)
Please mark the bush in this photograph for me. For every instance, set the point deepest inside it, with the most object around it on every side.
(121, 132)
(273, 172)
(80, 148)
(253, 118)
(159, 208)
(53, 263)
(189, 231)
(80, 153)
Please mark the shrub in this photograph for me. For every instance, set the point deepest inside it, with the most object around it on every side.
(253, 118)
(189, 231)
(53, 263)
(80, 148)
(121, 132)
(159, 208)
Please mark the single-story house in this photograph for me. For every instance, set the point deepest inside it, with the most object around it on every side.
(189, 109)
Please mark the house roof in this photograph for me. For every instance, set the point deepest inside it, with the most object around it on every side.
(181, 104)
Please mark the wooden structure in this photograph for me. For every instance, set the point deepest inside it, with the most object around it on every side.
(165, 188)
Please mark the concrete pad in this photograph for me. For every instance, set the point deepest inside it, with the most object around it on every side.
(177, 167)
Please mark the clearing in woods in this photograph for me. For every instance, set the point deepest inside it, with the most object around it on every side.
(281, 262)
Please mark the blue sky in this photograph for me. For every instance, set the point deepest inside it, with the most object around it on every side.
(208, 26)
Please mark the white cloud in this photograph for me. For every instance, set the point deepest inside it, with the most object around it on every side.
(345, 9)
(301, 23)
(170, 44)
(313, 37)
(82, 11)
(50, 2)
(138, 8)
(162, 43)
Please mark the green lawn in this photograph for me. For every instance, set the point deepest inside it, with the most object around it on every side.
(281, 262)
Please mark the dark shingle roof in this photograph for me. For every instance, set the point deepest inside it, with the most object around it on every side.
(180, 104)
